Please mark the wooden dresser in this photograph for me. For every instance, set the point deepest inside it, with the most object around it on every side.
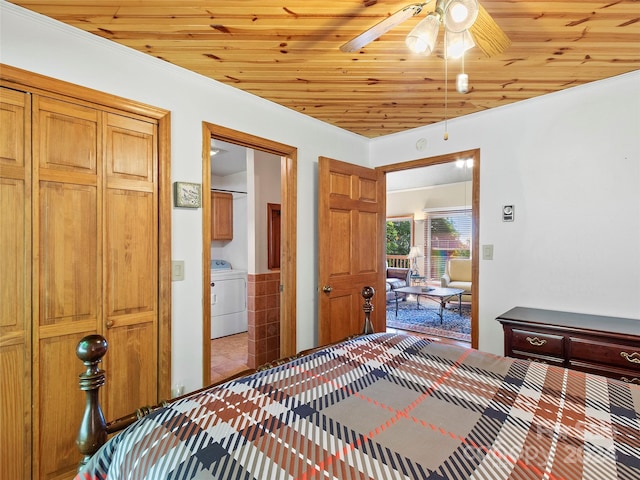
(608, 346)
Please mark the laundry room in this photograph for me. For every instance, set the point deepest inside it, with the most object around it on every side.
(245, 186)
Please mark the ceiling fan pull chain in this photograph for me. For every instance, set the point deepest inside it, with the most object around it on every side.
(462, 80)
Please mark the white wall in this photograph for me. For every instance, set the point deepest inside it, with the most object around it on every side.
(570, 163)
(41, 45)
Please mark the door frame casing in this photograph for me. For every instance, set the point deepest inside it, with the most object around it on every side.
(288, 260)
(475, 217)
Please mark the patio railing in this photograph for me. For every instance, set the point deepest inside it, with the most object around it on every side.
(398, 261)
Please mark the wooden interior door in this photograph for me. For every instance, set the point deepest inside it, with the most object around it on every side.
(15, 285)
(96, 230)
(67, 272)
(351, 223)
(130, 263)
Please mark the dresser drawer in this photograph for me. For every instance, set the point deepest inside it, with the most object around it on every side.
(537, 343)
(532, 357)
(624, 375)
(605, 353)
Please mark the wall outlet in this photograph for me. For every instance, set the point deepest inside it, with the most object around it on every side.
(177, 270)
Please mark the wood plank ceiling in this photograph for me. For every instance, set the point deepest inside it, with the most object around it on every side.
(288, 52)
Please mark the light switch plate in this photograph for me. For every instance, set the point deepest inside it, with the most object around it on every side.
(177, 270)
(487, 252)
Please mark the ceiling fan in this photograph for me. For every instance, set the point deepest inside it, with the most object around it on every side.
(467, 18)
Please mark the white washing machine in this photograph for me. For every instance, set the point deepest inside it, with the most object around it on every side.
(228, 300)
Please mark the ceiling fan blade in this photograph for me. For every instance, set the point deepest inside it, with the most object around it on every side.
(489, 37)
(382, 27)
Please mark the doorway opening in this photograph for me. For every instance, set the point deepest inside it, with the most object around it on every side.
(423, 253)
(286, 277)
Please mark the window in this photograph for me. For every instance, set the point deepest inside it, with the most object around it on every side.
(447, 234)
(399, 240)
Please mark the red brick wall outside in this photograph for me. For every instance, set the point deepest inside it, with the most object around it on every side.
(263, 318)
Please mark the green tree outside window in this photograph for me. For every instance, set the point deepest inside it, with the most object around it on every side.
(398, 237)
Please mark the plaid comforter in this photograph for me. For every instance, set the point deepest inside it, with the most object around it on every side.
(389, 406)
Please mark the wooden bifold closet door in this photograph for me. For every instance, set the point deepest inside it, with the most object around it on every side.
(93, 269)
(15, 285)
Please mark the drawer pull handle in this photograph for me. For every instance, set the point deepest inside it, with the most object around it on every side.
(536, 342)
(631, 357)
(634, 380)
(536, 360)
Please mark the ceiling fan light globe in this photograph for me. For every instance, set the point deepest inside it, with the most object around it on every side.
(422, 39)
(457, 43)
(459, 12)
(416, 45)
(459, 15)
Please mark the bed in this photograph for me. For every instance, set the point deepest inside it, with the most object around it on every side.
(386, 406)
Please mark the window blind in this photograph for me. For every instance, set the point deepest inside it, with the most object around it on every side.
(447, 234)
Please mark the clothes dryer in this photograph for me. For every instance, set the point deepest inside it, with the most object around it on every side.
(228, 302)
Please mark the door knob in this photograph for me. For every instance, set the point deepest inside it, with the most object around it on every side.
(109, 323)
(327, 289)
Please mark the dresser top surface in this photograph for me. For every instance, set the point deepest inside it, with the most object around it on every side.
(582, 321)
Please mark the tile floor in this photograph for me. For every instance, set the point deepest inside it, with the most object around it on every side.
(228, 356)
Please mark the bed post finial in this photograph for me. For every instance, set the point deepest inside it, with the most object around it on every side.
(367, 294)
(92, 434)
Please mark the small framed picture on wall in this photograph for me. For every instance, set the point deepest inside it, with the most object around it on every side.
(187, 195)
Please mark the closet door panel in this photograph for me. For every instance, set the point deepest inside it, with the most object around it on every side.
(69, 285)
(59, 413)
(15, 285)
(67, 270)
(131, 150)
(131, 380)
(14, 245)
(14, 187)
(132, 267)
(15, 341)
(67, 136)
(12, 135)
(15, 418)
(131, 262)
(15, 315)
(68, 217)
